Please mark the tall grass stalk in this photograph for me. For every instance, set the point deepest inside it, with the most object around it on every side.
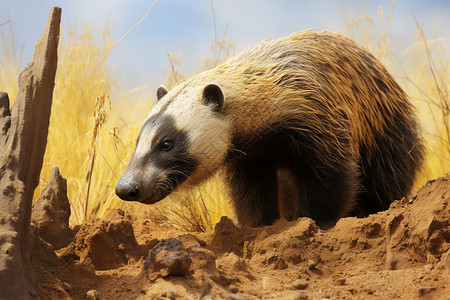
(439, 85)
(102, 105)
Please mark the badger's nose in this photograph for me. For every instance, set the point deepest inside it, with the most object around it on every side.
(127, 190)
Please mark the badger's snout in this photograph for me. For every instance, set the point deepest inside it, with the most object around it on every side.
(128, 188)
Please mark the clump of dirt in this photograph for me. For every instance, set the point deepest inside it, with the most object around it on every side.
(167, 258)
(51, 212)
(403, 252)
(106, 244)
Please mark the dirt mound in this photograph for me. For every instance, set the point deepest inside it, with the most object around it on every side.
(403, 252)
(51, 212)
(106, 244)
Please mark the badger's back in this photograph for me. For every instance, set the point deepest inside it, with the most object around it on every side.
(327, 86)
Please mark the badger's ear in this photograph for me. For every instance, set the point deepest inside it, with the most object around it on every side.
(161, 92)
(213, 94)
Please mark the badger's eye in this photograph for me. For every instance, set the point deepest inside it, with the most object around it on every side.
(166, 145)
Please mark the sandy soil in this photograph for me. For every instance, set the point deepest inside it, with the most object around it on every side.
(400, 253)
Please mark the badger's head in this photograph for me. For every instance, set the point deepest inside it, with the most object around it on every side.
(183, 141)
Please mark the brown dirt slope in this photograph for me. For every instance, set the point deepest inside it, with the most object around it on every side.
(402, 253)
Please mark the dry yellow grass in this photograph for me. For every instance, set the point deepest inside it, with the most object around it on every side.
(423, 70)
(82, 75)
(92, 144)
(9, 63)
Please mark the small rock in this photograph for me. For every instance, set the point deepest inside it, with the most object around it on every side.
(369, 291)
(312, 264)
(339, 281)
(202, 260)
(299, 284)
(92, 295)
(301, 296)
(236, 297)
(280, 264)
(391, 262)
(425, 290)
(233, 263)
(67, 287)
(233, 288)
(169, 257)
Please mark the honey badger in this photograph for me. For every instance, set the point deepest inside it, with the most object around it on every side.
(311, 121)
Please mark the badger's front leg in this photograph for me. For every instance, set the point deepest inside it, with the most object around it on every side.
(253, 190)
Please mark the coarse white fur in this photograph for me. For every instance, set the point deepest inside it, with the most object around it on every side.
(208, 132)
(145, 141)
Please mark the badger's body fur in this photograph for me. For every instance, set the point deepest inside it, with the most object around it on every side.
(306, 125)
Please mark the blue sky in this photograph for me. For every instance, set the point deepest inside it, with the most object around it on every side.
(186, 26)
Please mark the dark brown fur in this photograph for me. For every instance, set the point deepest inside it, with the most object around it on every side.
(316, 117)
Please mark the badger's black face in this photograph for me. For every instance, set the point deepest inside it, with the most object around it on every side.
(159, 164)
